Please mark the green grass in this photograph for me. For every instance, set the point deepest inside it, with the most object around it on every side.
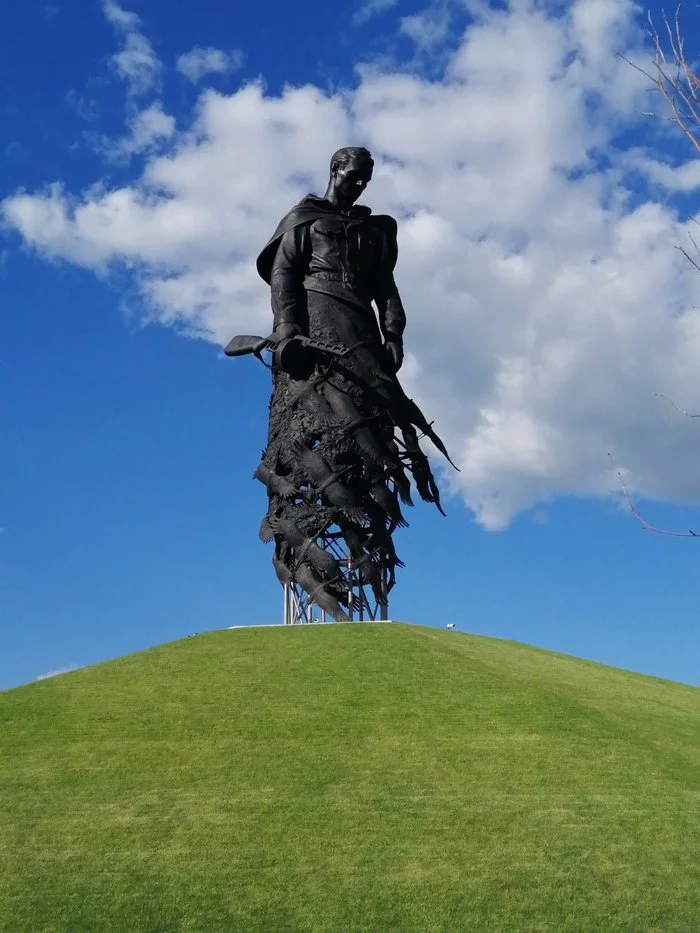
(349, 778)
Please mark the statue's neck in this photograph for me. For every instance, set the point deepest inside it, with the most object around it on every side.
(340, 204)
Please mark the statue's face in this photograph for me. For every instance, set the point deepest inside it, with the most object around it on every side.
(352, 178)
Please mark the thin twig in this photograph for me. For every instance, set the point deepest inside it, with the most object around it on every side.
(647, 526)
(680, 87)
(671, 402)
(689, 257)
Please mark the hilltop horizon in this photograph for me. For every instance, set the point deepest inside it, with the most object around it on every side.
(353, 776)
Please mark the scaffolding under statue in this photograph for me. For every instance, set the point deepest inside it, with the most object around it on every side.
(365, 605)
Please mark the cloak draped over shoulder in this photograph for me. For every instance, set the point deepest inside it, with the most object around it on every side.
(312, 208)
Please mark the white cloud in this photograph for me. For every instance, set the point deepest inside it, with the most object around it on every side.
(684, 177)
(84, 106)
(147, 130)
(149, 127)
(371, 8)
(545, 297)
(199, 62)
(429, 28)
(58, 671)
(135, 62)
(121, 19)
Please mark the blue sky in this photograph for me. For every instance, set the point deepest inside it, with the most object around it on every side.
(545, 299)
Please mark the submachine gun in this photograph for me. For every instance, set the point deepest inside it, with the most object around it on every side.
(295, 355)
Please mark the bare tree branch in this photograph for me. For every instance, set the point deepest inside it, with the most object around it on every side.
(673, 77)
(689, 257)
(642, 521)
(678, 84)
(681, 410)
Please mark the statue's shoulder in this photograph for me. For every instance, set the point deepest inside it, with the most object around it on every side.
(387, 224)
(309, 209)
(362, 212)
(312, 208)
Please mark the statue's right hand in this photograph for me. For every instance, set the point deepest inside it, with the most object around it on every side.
(284, 331)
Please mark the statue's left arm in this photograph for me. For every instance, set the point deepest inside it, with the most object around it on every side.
(392, 317)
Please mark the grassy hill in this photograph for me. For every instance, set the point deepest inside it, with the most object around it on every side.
(349, 778)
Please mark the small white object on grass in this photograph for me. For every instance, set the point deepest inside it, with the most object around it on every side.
(450, 625)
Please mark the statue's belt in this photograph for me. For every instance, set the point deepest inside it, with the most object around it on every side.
(337, 285)
(328, 276)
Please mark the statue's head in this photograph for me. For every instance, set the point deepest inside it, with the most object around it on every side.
(351, 172)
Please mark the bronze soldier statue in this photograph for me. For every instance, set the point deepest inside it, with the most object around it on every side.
(343, 436)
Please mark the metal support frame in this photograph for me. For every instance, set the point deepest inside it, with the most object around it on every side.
(299, 609)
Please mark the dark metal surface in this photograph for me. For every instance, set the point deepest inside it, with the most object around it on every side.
(342, 438)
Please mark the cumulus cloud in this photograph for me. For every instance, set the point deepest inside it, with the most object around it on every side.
(371, 8)
(682, 178)
(147, 130)
(136, 61)
(199, 62)
(546, 300)
(429, 28)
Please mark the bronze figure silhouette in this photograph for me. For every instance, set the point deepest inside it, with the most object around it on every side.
(343, 436)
